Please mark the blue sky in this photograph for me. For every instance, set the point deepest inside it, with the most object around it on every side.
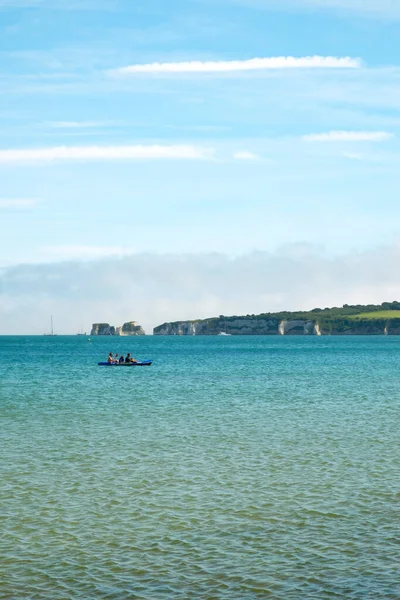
(145, 130)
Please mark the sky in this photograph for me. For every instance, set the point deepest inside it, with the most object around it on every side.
(165, 161)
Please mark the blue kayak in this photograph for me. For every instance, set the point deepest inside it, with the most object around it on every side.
(145, 363)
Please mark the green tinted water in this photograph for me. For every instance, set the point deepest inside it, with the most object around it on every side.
(231, 468)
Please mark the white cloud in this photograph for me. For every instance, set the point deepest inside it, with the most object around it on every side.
(84, 252)
(385, 8)
(349, 136)
(353, 156)
(18, 203)
(62, 5)
(366, 6)
(77, 124)
(86, 153)
(254, 64)
(152, 288)
(245, 155)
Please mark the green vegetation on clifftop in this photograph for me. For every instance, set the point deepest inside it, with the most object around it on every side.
(386, 310)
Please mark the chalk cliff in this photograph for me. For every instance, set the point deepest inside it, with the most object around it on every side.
(243, 326)
(381, 319)
(102, 329)
(128, 329)
(235, 326)
(239, 326)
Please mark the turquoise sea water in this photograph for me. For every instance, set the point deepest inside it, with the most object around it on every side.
(233, 468)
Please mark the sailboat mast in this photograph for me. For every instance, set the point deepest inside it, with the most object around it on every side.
(51, 321)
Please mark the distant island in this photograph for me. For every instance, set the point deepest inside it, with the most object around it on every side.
(382, 319)
(128, 329)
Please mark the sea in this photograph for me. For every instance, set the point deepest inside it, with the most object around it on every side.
(232, 468)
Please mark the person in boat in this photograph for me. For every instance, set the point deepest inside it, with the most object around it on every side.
(130, 359)
(121, 359)
(111, 358)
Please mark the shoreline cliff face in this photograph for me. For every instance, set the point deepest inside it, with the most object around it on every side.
(348, 320)
(239, 326)
(128, 329)
(276, 327)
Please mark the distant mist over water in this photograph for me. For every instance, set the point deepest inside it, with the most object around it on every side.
(152, 289)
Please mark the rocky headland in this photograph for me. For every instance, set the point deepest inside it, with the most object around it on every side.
(381, 319)
(127, 329)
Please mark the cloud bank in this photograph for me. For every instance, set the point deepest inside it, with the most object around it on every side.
(254, 64)
(96, 153)
(153, 289)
